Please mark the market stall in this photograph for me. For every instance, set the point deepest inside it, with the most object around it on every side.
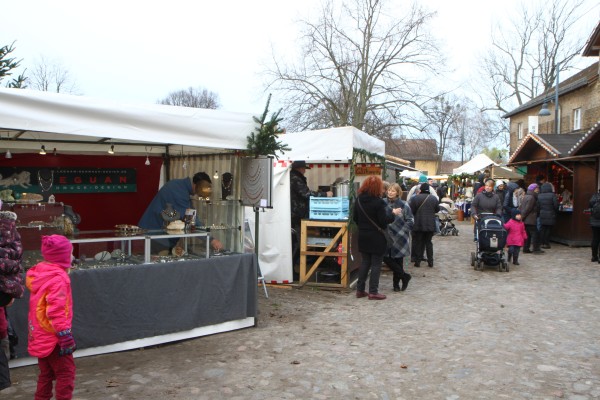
(574, 177)
(333, 154)
(107, 161)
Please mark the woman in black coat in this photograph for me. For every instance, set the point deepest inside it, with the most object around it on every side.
(424, 207)
(548, 205)
(372, 216)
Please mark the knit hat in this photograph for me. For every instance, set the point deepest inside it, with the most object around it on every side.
(424, 188)
(57, 249)
(422, 179)
(532, 187)
(515, 212)
(499, 182)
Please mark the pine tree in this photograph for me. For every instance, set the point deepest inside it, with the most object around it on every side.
(263, 141)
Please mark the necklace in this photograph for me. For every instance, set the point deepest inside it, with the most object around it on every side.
(227, 185)
(45, 184)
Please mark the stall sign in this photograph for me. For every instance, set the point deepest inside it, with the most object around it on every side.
(95, 180)
(367, 170)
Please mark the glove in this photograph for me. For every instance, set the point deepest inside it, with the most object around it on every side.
(66, 342)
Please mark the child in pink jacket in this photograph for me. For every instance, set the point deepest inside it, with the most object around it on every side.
(50, 318)
(516, 236)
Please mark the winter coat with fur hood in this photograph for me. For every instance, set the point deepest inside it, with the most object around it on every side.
(548, 204)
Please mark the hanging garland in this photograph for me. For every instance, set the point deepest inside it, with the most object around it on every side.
(361, 155)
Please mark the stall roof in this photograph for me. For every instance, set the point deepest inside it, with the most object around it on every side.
(329, 145)
(589, 142)
(477, 163)
(557, 146)
(78, 124)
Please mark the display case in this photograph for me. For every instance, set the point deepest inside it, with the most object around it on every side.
(224, 220)
(98, 249)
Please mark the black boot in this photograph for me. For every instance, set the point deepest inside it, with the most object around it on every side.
(509, 256)
(516, 260)
(396, 281)
(405, 279)
(430, 263)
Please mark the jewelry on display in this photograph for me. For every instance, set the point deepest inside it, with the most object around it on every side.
(45, 183)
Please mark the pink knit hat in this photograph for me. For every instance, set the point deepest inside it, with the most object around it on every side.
(57, 249)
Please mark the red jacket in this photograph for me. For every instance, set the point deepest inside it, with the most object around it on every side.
(50, 306)
(516, 233)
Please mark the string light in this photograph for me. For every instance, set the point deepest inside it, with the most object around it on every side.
(147, 160)
(43, 150)
(112, 149)
(216, 175)
(8, 154)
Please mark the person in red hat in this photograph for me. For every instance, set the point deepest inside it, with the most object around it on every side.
(50, 318)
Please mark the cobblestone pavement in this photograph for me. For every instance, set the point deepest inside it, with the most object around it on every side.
(456, 333)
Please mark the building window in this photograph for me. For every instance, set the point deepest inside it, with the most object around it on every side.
(520, 131)
(577, 119)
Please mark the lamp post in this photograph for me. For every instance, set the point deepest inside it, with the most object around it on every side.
(544, 112)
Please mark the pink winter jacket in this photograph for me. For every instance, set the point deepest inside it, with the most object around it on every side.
(516, 233)
(50, 306)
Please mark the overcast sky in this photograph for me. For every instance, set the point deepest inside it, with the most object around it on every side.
(139, 51)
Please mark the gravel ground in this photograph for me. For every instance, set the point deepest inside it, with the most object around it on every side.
(455, 333)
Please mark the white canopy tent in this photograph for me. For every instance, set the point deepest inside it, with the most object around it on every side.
(333, 145)
(478, 163)
(83, 125)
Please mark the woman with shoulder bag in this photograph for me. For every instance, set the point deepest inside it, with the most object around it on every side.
(372, 216)
(399, 230)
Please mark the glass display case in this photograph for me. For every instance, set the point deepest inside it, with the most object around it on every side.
(224, 220)
(98, 249)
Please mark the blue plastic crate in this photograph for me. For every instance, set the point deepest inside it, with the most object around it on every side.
(328, 214)
(329, 203)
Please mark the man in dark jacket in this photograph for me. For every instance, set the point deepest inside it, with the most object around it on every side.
(299, 200)
(548, 204)
(529, 211)
(424, 207)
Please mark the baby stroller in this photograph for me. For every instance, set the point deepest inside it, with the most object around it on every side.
(447, 227)
(490, 239)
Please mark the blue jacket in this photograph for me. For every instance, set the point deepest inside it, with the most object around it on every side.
(175, 192)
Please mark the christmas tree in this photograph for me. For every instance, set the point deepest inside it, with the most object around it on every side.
(263, 141)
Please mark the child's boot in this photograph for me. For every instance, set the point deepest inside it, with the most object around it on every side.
(516, 260)
(509, 256)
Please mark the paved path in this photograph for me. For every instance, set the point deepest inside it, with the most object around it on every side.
(456, 333)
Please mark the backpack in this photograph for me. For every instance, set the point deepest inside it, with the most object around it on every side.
(596, 210)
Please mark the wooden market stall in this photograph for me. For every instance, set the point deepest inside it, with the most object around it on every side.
(572, 168)
(106, 161)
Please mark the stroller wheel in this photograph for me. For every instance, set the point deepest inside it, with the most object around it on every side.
(472, 259)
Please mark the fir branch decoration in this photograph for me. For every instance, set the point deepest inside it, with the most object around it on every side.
(263, 141)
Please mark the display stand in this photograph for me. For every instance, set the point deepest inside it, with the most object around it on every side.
(323, 248)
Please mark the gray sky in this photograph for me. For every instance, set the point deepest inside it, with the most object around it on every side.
(137, 51)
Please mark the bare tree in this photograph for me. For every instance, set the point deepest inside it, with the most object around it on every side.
(359, 66)
(441, 122)
(190, 97)
(51, 76)
(522, 62)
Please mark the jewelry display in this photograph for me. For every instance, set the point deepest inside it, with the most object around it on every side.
(226, 186)
(45, 182)
(169, 214)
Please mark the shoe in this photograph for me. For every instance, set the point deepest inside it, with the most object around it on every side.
(407, 278)
(396, 289)
(377, 296)
(538, 251)
(595, 259)
(417, 264)
(430, 263)
(545, 246)
(526, 251)
(516, 263)
(360, 294)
